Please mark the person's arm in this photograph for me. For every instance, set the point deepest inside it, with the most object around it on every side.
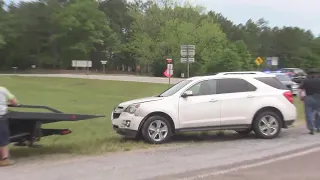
(12, 100)
(302, 91)
(302, 85)
(302, 94)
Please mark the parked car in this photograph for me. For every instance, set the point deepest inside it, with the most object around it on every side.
(287, 81)
(296, 74)
(255, 102)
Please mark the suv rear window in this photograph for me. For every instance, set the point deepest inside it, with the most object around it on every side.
(273, 82)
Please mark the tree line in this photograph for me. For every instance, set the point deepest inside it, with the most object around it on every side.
(139, 36)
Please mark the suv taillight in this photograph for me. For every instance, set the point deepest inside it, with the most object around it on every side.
(289, 96)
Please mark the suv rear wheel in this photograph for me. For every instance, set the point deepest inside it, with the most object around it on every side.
(157, 130)
(267, 125)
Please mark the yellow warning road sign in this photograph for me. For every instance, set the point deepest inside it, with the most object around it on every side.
(259, 61)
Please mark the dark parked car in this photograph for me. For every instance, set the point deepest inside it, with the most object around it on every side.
(286, 80)
(296, 74)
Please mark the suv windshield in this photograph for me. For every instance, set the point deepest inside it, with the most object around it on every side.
(283, 77)
(175, 88)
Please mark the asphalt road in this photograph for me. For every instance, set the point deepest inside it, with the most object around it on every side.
(190, 161)
(133, 78)
(300, 167)
(215, 157)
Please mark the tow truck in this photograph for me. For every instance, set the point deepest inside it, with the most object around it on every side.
(25, 127)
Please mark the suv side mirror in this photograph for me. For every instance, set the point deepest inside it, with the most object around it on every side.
(186, 94)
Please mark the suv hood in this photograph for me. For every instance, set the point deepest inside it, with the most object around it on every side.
(141, 100)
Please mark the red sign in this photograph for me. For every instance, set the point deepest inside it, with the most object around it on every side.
(169, 60)
(167, 73)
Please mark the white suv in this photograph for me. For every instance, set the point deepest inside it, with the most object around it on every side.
(226, 101)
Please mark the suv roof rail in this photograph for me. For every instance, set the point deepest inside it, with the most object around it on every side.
(241, 73)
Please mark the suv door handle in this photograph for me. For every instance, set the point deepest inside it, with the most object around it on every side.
(213, 100)
(250, 96)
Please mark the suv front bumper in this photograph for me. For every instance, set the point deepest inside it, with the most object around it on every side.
(126, 124)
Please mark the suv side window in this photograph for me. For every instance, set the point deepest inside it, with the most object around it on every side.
(273, 82)
(234, 85)
(206, 87)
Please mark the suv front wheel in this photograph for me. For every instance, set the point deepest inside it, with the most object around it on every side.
(157, 130)
(267, 125)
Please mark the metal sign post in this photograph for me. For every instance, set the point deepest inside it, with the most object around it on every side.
(169, 71)
(169, 68)
(187, 56)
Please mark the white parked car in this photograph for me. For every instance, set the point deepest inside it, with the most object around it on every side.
(243, 102)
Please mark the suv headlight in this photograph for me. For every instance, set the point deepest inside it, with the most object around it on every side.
(132, 108)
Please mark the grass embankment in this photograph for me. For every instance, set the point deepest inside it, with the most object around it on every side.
(84, 97)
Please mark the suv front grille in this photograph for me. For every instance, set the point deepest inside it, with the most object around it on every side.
(117, 111)
(116, 115)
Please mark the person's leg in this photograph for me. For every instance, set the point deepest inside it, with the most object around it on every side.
(5, 152)
(317, 117)
(308, 109)
(4, 142)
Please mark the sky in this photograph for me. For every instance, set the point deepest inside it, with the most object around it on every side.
(301, 13)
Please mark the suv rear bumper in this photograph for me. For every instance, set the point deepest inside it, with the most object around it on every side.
(288, 123)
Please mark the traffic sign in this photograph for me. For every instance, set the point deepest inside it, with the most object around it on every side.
(185, 60)
(103, 62)
(169, 60)
(188, 47)
(81, 63)
(170, 67)
(274, 61)
(259, 61)
(168, 73)
(269, 61)
(187, 52)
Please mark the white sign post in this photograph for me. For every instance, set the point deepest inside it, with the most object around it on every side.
(187, 55)
(170, 70)
(274, 61)
(104, 66)
(82, 63)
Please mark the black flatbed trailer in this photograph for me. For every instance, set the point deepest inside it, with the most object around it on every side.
(25, 127)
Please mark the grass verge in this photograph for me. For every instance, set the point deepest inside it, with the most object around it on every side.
(86, 97)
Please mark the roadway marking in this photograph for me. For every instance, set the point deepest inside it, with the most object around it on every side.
(281, 158)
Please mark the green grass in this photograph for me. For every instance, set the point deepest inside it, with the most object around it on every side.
(86, 97)
(79, 96)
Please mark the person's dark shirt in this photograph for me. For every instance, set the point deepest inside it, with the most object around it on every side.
(311, 86)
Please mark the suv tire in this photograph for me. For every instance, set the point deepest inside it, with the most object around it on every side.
(267, 125)
(157, 130)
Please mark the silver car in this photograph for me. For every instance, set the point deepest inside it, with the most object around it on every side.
(286, 80)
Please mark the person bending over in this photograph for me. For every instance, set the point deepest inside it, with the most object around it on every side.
(6, 97)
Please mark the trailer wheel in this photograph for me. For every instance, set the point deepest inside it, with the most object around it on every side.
(157, 130)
